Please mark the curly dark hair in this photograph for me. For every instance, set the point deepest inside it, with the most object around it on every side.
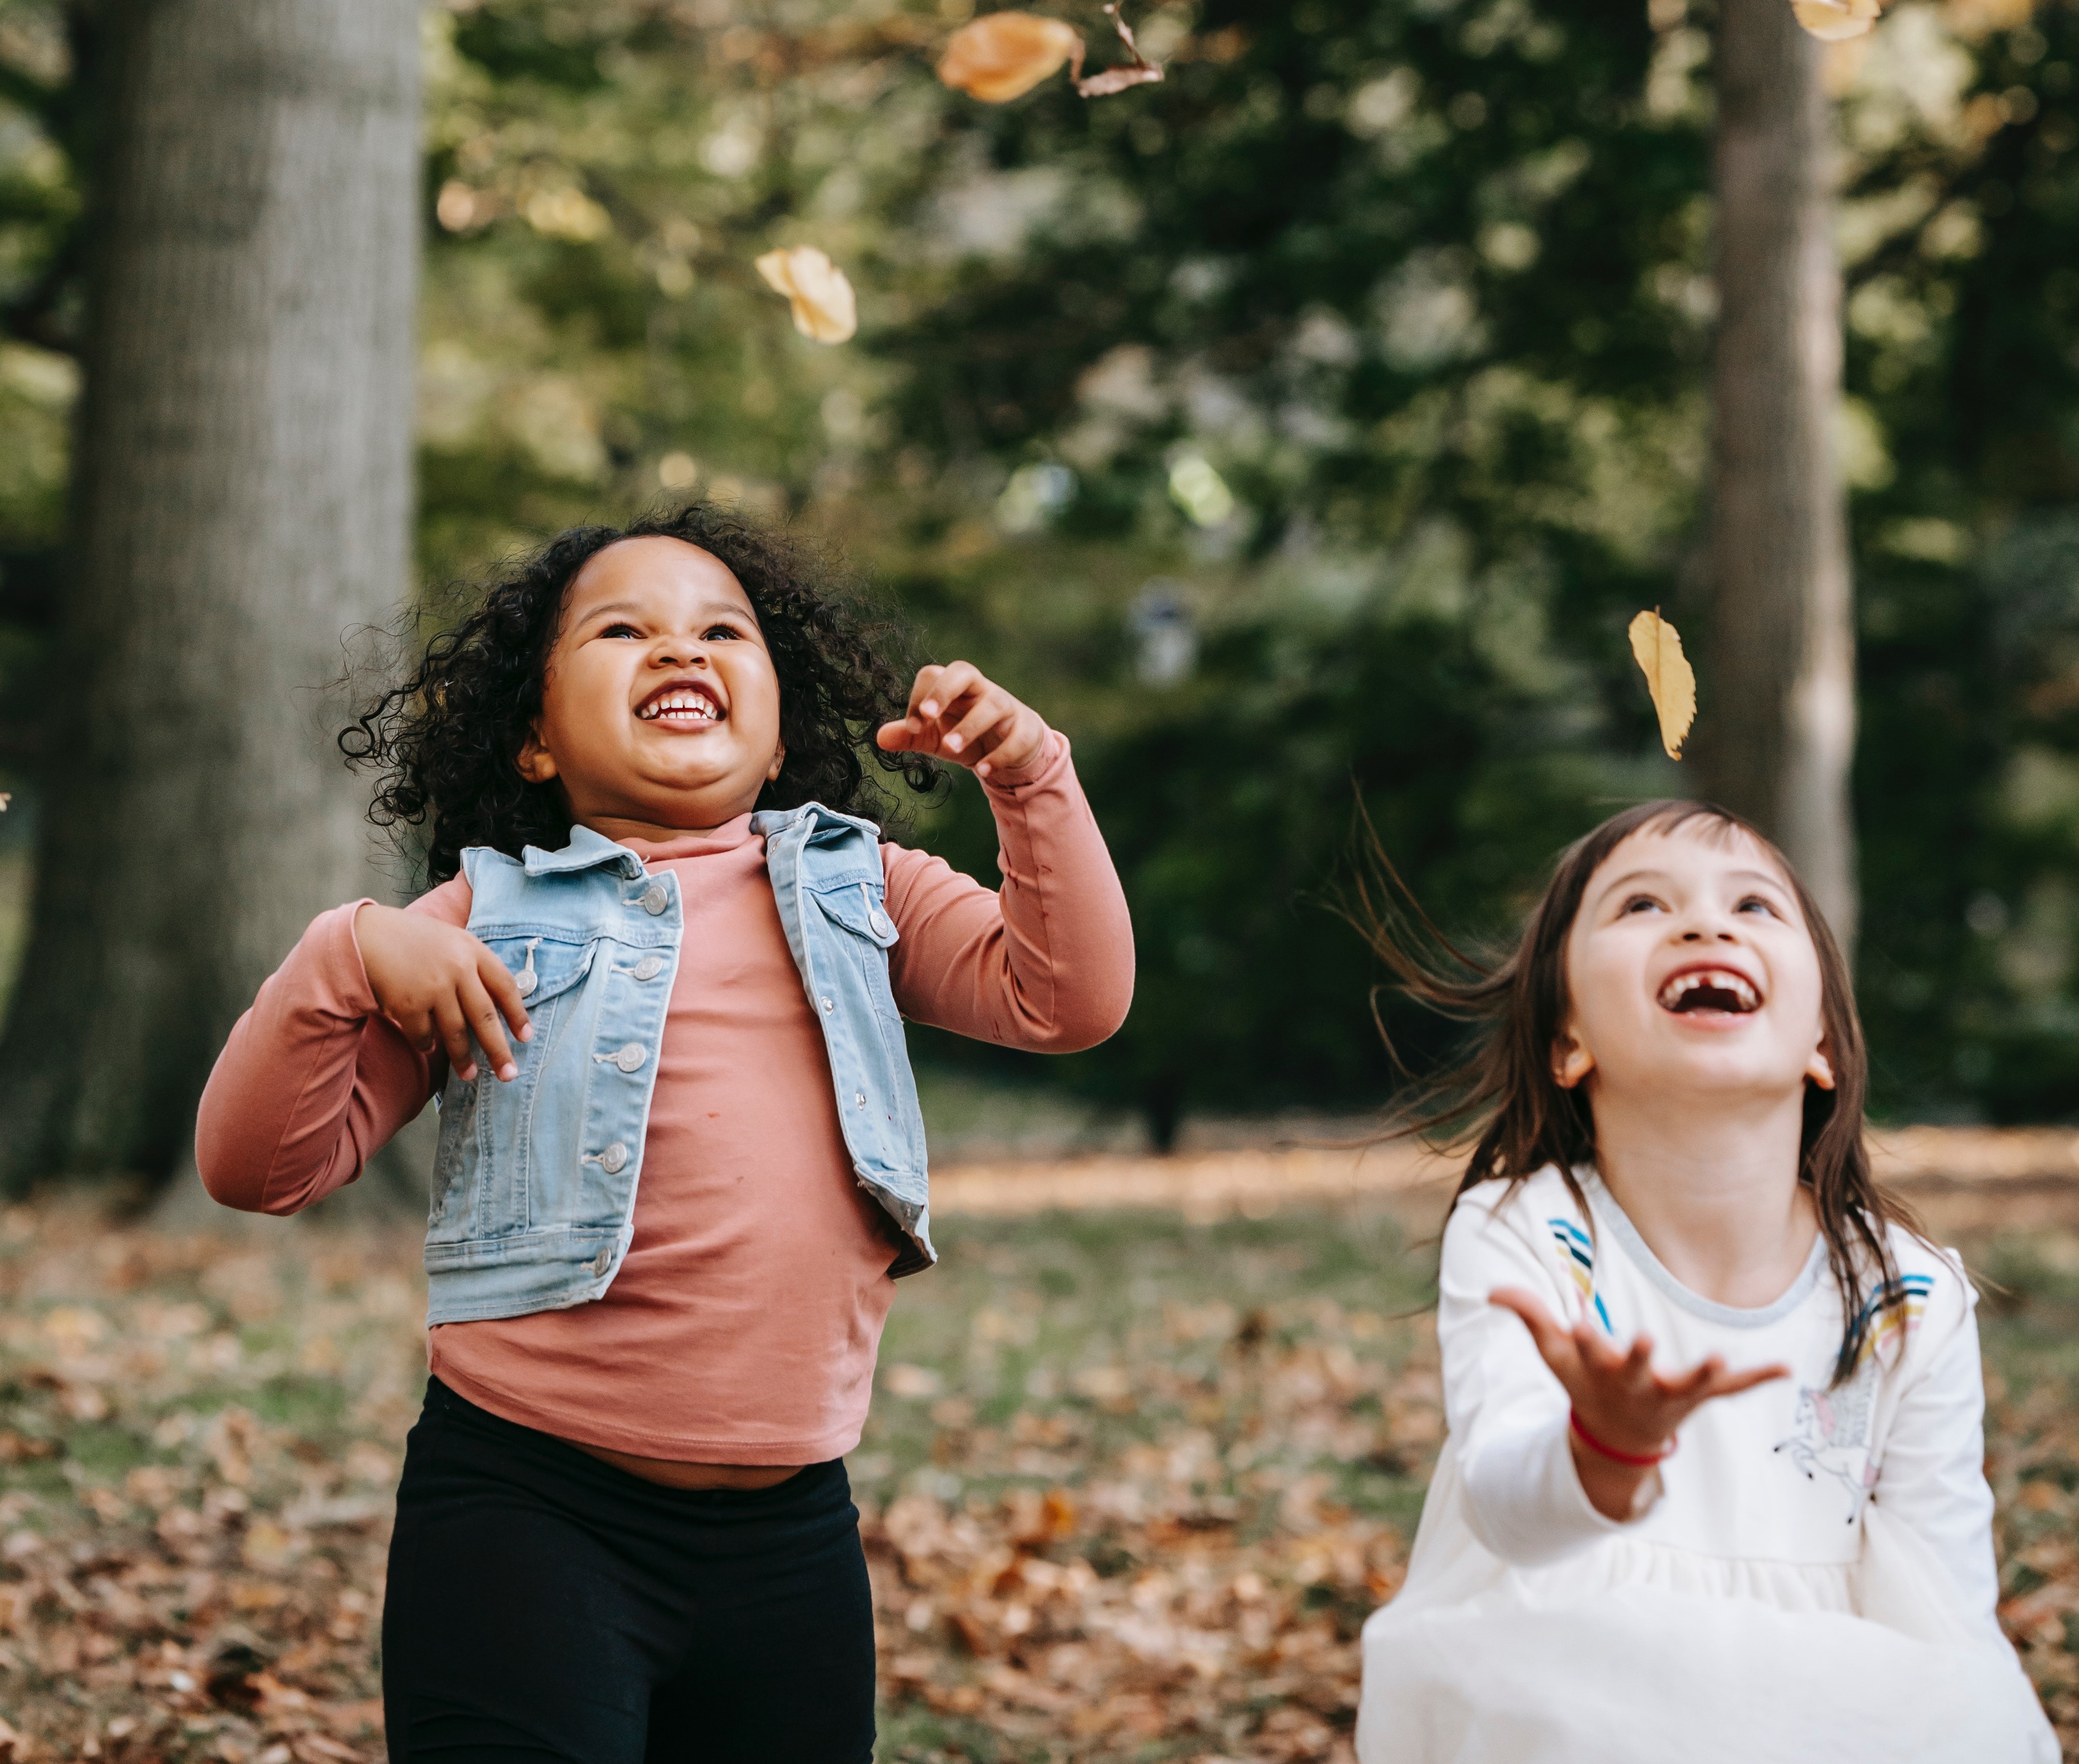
(445, 739)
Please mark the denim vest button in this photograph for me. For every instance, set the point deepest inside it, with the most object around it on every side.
(649, 967)
(829, 1004)
(655, 899)
(883, 925)
(614, 1159)
(602, 1262)
(631, 1056)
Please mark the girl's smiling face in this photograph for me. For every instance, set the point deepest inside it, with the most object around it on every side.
(660, 706)
(1690, 968)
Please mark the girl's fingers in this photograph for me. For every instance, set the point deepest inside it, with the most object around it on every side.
(1730, 1384)
(455, 1036)
(949, 685)
(488, 1026)
(1551, 1341)
(990, 714)
(503, 993)
(920, 690)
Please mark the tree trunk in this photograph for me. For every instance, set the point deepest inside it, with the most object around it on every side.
(242, 502)
(1780, 732)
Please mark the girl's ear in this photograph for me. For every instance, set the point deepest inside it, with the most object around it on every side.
(1572, 1061)
(779, 760)
(1819, 1068)
(536, 764)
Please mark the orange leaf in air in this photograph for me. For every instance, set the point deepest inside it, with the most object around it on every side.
(1836, 21)
(1656, 646)
(1003, 55)
(824, 306)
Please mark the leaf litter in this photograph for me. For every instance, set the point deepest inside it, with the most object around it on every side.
(1132, 1499)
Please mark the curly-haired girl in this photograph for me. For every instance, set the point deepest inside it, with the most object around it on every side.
(656, 991)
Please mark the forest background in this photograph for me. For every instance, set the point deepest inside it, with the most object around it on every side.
(1299, 434)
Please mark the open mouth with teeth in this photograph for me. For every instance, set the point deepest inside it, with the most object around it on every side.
(1718, 990)
(684, 706)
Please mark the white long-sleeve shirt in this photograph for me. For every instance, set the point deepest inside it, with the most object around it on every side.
(1809, 1577)
(1781, 1474)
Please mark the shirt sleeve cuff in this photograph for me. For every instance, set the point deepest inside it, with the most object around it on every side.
(1527, 1502)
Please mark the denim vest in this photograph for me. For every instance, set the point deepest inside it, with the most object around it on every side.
(533, 1192)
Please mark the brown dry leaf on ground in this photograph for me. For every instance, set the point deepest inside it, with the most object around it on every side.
(1836, 21)
(1656, 645)
(1002, 56)
(825, 307)
(1131, 1487)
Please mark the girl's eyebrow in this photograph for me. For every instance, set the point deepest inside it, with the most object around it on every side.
(1661, 876)
(713, 609)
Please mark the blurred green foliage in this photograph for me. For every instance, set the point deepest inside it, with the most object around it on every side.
(1297, 433)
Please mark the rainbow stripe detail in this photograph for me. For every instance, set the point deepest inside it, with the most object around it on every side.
(1579, 1249)
(1897, 1306)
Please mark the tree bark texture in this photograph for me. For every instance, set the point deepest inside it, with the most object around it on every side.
(1780, 732)
(242, 503)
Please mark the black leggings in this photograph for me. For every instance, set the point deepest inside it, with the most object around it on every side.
(543, 1605)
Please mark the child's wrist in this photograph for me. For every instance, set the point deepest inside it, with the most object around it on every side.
(1616, 1454)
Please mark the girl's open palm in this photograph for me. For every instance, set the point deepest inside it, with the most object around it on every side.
(1618, 1397)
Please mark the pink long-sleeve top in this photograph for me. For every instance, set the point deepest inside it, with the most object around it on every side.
(743, 1325)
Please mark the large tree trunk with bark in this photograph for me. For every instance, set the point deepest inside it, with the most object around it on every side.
(1780, 737)
(243, 502)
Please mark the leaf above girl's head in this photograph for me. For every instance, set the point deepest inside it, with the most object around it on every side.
(1657, 646)
(1002, 56)
(824, 306)
(1836, 21)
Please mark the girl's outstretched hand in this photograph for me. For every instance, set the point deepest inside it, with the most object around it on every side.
(956, 714)
(1623, 1405)
(442, 986)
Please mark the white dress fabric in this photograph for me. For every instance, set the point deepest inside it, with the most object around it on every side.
(1812, 1579)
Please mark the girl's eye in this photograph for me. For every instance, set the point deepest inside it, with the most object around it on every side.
(714, 631)
(1641, 903)
(1753, 903)
(621, 630)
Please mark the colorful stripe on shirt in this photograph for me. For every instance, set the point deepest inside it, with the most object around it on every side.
(1897, 1306)
(1579, 1249)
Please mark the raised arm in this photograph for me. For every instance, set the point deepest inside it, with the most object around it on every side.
(1045, 963)
(314, 1080)
(1506, 1412)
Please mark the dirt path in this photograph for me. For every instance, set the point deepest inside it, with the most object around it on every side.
(1959, 1178)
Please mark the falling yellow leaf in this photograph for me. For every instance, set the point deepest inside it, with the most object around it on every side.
(824, 306)
(1003, 55)
(1836, 21)
(1657, 647)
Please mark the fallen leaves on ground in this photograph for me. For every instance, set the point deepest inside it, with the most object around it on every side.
(1132, 1486)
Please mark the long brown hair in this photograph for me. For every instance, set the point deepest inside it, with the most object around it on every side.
(1503, 1097)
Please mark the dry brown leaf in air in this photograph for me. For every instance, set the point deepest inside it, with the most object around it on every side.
(1657, 647)
(1140, 71)
(1836, 21)
(1003, 55)
(824, 306)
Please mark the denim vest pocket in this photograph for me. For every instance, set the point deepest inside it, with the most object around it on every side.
(497, 1117)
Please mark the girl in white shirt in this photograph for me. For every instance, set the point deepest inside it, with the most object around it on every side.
(1669, 1233)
